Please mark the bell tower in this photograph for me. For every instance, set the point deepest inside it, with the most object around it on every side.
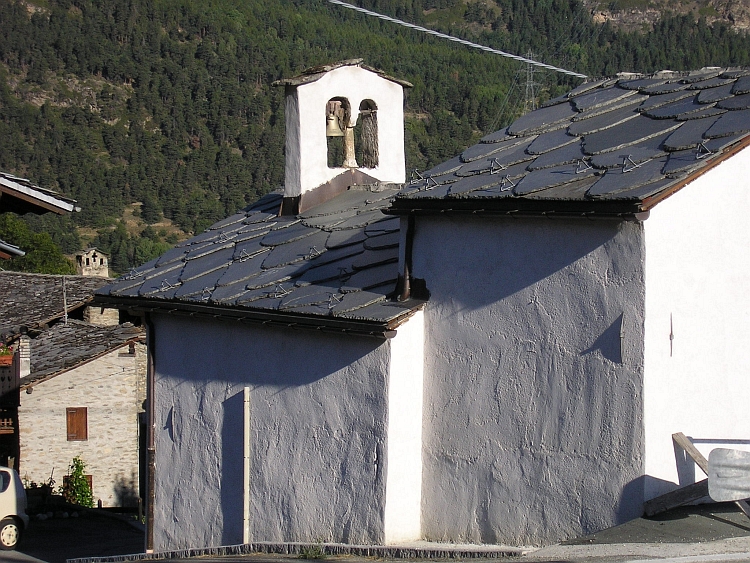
(344, 126)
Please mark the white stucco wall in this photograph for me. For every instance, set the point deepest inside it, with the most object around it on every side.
(403, 500)
(318, 434)
(697, 281)
(306, 144)
(533, 374)
(108, 387)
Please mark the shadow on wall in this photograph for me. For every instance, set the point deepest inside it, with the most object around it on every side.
(609, 342)
(126, 491)
(232, 470)
(254, 355)
(513, 255)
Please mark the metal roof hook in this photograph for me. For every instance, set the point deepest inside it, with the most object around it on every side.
(702, 151)
(500, 166)
(427, 185)
(313, 253)
(415, 175)
(633, 165)
(166, 286)
(206, 294)
(334, 300)
(583, 166)
(507, 179)
(279, 291)
(134, 274)
(244, 255)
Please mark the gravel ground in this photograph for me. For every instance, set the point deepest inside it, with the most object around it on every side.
(93, 534)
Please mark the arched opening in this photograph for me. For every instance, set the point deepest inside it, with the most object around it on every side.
(366, 135)
(338, 115)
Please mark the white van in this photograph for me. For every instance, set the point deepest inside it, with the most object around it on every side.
(13, 518)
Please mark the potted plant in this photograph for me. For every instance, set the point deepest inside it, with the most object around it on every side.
(6, 354)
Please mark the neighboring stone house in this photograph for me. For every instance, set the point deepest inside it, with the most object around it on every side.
(82, 383)
(497, 351)
(83, 398)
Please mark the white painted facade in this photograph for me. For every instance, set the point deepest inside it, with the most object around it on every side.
(697, 357)
(403, 493)
(111, 389)
(532, 400)
(533, 374)
(335, 431)
(306, 145)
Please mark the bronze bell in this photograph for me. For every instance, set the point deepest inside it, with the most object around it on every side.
(332, 127)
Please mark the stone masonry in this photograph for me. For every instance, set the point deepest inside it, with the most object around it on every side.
(112, 390)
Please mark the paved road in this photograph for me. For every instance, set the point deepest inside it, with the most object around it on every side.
(91, 535)
(708, 534)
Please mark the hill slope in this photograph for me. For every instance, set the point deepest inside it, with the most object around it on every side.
(169, 104)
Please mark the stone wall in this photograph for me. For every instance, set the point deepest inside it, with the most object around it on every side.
(108, 388)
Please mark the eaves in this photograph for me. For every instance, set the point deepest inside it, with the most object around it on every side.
(270, 318)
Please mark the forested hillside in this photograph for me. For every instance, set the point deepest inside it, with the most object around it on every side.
(169, 102)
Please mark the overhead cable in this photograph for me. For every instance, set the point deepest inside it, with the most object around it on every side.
(457, 40)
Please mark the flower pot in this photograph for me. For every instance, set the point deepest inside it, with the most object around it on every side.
(6, 360)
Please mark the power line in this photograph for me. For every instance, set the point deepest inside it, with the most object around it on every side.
(457, 40)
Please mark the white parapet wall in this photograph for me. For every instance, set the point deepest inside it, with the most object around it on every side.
(403, 499)
(697, 356)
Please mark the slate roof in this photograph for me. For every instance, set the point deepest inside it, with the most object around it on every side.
(67, 346)
(33, 300)
(334, 266)
(21, 196)
(317, 72)
(612, 147)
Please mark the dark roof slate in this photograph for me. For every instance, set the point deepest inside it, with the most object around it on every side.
(336, 260)
(33, 300)
(66, 346)
(628, 141)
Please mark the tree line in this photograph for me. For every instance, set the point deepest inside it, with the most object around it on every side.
(169, 102)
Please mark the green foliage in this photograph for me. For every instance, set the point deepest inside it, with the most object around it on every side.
(76, 489)
(170, 104)
(42, 255)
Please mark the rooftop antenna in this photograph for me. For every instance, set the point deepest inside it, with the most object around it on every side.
(526, 60)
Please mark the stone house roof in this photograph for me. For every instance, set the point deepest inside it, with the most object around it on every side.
(21, 196)
(611, 147)
(35, 300)
(66, 346)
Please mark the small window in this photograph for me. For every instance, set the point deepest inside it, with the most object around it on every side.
(77, 421)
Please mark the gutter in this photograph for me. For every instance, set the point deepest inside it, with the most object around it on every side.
(150, 434)
(512, 207)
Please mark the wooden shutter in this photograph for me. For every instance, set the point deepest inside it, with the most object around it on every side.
(77, 422)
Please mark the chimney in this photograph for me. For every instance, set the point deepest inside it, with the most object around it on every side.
(344, 126)
(24, 355)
